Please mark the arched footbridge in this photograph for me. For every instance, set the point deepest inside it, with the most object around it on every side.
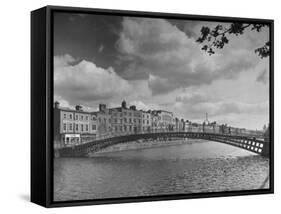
(244, 142)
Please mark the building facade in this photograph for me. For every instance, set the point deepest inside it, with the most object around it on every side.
(103, 119)
(72, 127)
(146, 121)
(164, 120)
(76, 126)
(126, 120)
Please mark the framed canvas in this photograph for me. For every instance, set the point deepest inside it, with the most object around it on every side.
(133, 106)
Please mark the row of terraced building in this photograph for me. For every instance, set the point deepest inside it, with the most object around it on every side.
(75, 126)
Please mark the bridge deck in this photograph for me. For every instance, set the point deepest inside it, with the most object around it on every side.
(248, 143)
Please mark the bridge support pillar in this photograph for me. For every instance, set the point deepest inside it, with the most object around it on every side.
(265, 150)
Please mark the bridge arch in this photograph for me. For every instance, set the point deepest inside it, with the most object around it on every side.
(248, 143)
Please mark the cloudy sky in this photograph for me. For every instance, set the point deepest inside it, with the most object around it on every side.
(156, 64)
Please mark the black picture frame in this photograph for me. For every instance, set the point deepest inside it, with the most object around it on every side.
(42, 105)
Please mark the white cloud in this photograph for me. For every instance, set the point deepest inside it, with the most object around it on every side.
(84, 82)
(156, 50)
(164, 68)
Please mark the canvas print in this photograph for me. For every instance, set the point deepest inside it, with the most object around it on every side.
(155, 106)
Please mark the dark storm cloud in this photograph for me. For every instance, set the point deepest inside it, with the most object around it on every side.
(159, 51)
(156, 64)
(156, 50)
(82, 35)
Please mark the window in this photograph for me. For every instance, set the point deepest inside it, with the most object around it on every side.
(64, 127)
(115, 120)
(76, 117)
(76, 127)
(130, 120)
(64, 116)
(70, 127)
(94, 127)
(81, 117)
(125, 120)
(86, 117)
(104, 120)
(147, 122)
(143, 121)
(100, 120)
(109, 120)
(87, 128)
(134, 120)
(82, 128)
(70, 116)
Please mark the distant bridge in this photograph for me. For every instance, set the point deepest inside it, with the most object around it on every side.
(249, 143)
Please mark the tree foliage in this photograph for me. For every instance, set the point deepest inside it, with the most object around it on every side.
(216, 38)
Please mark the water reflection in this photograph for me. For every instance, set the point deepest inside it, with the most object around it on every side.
(186, 168)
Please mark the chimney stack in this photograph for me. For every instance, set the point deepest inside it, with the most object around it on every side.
(133, 108)
(78, 108)
(102, 107)
(124, 105)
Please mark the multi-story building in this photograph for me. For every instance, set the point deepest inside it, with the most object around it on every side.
(126, 120)
(72, 126)
(104, 120)
(193, 127)
(146, 121)
(179, 125)
(187, 125)
(76, 126)
(137, 119)
(165, 120)
(182, 125)
(155, 118)
(216, 127)
(116, 120)
(208, 127)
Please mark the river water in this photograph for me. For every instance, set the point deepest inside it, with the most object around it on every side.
(187, 168)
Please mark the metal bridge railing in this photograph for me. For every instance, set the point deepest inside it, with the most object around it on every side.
(152, 131)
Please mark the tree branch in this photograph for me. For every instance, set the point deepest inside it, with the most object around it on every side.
(216, 38)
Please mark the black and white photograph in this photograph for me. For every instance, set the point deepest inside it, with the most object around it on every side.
(151, 106)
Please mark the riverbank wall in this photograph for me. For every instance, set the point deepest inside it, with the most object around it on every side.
(144, 145)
